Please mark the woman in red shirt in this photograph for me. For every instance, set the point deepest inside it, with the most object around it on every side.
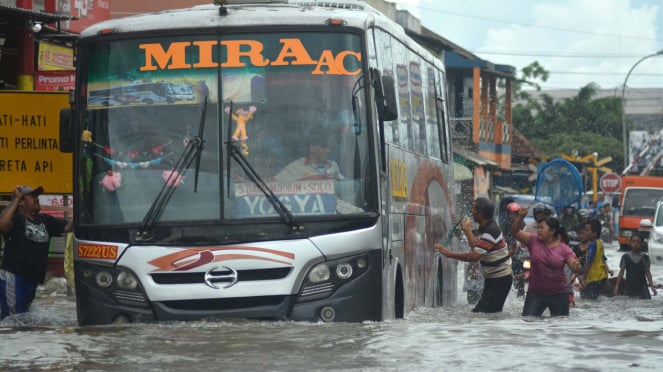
(549, 253)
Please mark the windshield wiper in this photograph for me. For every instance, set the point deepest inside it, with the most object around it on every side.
(233, 151)
(192, 151)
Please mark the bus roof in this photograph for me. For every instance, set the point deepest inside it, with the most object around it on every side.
(355, 13)
(294, 12)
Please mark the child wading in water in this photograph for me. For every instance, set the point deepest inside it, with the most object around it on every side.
(636, 264)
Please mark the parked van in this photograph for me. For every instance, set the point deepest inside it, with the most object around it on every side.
(656, 234)
(638, 201)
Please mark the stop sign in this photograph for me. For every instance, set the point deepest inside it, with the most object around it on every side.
(610, 182)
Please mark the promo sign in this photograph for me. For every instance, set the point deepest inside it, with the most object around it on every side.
(55, 81)
(30, 142)
(55, 58)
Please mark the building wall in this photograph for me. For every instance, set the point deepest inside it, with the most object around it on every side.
(639, 101)
(124, 8)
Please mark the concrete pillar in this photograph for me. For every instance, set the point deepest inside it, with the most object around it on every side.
(26, 52)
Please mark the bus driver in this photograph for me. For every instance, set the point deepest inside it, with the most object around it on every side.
(315, 166)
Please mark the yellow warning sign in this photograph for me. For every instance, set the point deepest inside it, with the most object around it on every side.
(30, 142)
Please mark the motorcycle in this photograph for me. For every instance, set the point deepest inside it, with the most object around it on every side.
(606, 236)
(520, 267)
(574, 242)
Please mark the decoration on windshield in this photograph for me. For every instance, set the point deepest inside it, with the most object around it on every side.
(134, 164)
(111, 181)
(172, 178)
(241, 116)
(130, 154)
(157, 150)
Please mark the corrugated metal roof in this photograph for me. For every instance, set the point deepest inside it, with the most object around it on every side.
(474, 157)
(45, 17)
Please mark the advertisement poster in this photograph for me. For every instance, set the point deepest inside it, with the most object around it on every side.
(86, 12)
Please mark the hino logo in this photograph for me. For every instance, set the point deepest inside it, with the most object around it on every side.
(211, 278)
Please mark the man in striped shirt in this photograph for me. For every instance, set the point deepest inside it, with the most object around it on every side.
(491, 250)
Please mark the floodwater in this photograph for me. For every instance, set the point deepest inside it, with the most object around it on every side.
(614, 334)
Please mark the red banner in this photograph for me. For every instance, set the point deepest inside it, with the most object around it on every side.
(55, 81)
(87, 12)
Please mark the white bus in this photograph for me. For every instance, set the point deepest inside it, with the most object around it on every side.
(180, 210)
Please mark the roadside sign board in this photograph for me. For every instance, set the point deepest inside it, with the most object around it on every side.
(30, 142)
(610, 182)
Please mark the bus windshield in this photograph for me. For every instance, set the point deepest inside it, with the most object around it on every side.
(292, 103)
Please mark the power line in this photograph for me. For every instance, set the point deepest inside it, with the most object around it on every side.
(458, 14)
(555, 55)
(551, 54)
(602, 73)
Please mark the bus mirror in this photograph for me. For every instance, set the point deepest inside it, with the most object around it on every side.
(387, 110)
(66, 131)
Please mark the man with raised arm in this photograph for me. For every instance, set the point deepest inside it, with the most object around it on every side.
(491, 250)
(27, 237)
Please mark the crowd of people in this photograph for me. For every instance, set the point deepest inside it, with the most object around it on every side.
(566, 254)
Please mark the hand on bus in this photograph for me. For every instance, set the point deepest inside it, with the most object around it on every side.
(442, 249)
(465, 223)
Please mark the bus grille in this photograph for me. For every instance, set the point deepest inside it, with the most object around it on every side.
(225, 303)
(319, 290)
(129, 298)
(242, 276)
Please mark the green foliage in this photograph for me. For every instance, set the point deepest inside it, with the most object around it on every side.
(579, 123)
(585, 143)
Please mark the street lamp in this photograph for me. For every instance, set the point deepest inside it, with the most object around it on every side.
(624, 139)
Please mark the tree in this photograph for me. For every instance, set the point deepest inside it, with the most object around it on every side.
(580, 123)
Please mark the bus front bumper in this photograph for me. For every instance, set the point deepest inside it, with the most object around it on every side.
(356, 300)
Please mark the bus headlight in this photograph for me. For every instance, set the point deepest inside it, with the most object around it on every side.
(627, 233)
(319, 273)
(126, 280)
(119, 283)
(104, 279)
(320, 282)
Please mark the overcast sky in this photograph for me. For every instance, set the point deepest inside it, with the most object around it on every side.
(577, 41)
